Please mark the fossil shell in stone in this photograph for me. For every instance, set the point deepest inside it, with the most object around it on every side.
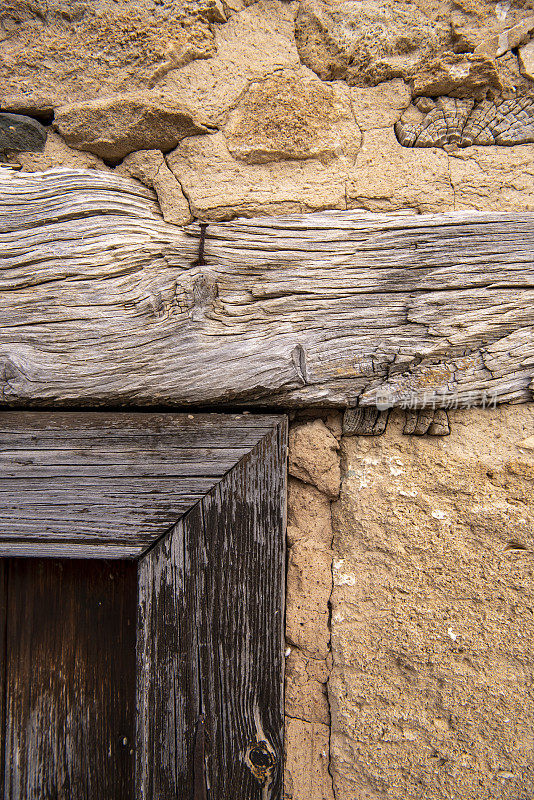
(462, 122)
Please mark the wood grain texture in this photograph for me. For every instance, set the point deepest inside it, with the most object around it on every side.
(210, 639)
(100, 304)
(109, 485)
(70, 721)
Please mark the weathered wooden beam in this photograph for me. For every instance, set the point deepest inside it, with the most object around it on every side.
(100, 303)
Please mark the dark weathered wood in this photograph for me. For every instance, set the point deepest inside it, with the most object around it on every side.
(109, 485)
(101, 301)
(3, 619)
(70, 680)
(210, 639)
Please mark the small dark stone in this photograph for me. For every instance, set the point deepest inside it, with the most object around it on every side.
(20, 133)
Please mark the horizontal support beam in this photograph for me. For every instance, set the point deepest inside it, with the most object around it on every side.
(103, 302)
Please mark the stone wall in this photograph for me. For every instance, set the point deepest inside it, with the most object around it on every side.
(236, 108)
(410, 610)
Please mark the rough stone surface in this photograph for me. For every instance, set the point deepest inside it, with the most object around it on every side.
(292, 115)
(457, 75)
(313, 456)
(19, 133)
(493, 178)
(252, 45)
(388, 177)
(314, 434)
(221, 187)
(308, 514)
(149, 167)
(380, 106)
(432, 615)
(305, 696)
(507, 39)
(526, 60)
(57, 154)
(309, 584)
(306, 770)
(116, 126)
(62, 51)
(365, 42)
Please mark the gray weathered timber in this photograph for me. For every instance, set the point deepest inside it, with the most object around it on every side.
(100, 304)
(210, 634)
(109, 485)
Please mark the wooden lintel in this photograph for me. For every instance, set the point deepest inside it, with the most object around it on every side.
(102, 302)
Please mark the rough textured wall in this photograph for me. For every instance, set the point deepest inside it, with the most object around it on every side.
(227, 108)
(432, 633)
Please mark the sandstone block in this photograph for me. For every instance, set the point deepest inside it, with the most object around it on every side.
(309, 583)
(389, 177)
(365, 43)
(493, 178)
(254, 43)
(220, 187)
(65, 51)
(507, 39)
(526, 60)
(306, 774)
(292, 115)
(313, 456)
(305, 690)
(116, 126)
(459, 75)
(57, 154)
(379, 106)
(149, 167)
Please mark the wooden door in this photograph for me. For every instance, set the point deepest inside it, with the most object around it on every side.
(156, 673)
(70, 629)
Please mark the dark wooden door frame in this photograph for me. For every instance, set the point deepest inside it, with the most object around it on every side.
(199, 502)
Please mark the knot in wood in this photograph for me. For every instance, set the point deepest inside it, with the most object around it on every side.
(261, 762)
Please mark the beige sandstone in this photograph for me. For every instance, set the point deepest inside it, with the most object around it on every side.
(313, 441)
(493, 178)
(313, 456)
(456, 75)
(526, 60)
(507, 39)
(62, 51)
(308, 514)
(292, 115)
(254, 44)
(221, 187)
(367, 42)
(57, 154)
(116, 126)
(380, 106)
(309, 584)
(306, 770)
(432, 612)
(149, 167)
(388, 177)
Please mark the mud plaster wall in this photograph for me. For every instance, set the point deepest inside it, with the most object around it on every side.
(410, 611)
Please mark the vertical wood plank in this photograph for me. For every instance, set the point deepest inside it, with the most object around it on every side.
(70, 676)
(210, 640)
(3, 614)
